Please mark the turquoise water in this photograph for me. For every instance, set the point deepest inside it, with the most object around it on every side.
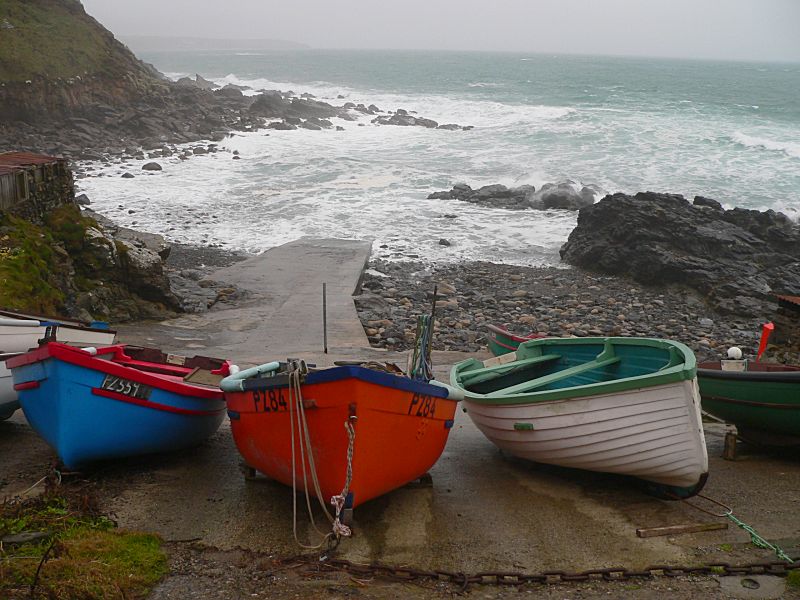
(726, 130)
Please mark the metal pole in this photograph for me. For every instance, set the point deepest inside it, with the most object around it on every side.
(325, 317)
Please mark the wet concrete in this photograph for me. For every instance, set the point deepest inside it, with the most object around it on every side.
(484, 511)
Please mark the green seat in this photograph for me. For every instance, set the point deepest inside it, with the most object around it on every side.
(604, 359)
(487, 373)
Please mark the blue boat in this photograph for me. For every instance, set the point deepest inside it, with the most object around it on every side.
(98, 404)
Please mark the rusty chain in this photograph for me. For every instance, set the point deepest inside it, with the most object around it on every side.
(506, 578)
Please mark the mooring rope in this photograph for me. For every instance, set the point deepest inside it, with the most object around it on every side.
(297, 417)
(755, 538)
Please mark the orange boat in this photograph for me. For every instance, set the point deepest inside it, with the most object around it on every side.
(368, 431)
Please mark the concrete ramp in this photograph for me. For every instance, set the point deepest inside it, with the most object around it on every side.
(289, 279)
(281, 312)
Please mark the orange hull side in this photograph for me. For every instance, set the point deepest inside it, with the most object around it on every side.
(400, 434)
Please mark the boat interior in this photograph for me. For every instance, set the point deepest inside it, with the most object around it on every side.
(556, 364)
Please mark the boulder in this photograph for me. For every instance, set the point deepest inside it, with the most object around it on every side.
(151, 166)
(737, 259)
(403, 119)
(269, 104)
(496, 196)
(708, 202)
(565, 195)
(281, 126)
(204, 84)
(144, 273)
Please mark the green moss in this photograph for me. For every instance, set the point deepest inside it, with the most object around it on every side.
(89, 558)
(726, 547)
(54, 39)
(27, 264)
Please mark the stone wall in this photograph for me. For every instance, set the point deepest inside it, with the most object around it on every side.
(44, 188)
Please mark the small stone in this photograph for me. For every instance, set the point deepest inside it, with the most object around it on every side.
(444, 242)
(127, 175)
(151, 166)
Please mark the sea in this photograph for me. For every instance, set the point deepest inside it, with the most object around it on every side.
(724, 130)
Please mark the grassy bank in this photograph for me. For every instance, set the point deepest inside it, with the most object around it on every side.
(80, 555)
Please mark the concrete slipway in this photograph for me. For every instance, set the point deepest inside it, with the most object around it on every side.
(484, 511)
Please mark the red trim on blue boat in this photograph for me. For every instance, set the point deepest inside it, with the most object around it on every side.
(27, 385)
(103, 362)
(154, 405)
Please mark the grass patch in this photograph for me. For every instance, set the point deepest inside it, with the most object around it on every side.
(726, 547)
(27, 264)
(87, 557)
(793, 579)
(54, 38)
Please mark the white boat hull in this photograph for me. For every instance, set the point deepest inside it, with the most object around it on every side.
(24, 335)
(652, 433)
(8, 397)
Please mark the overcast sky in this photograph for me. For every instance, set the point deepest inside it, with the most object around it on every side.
(725, 29)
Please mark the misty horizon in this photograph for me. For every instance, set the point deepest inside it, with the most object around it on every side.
(744, 30)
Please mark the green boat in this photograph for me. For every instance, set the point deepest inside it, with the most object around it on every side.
(763, 401)
(616, 405)
(502, 341)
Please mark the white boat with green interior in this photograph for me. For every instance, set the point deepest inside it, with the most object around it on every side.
(619, 405)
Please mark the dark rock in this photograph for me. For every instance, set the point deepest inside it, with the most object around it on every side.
(310, 125)
(403, 119)
(127, 175)
(497, 195)
(450, 126)
(563, 195)
(281, 126)
(83, 200)
(444, 242)
(204, 84)
(709, 202)
(151, 166)
(737, 259)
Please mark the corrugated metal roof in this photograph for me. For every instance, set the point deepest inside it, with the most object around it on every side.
(12, 161)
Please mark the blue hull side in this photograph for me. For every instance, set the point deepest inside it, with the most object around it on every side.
(83, 427)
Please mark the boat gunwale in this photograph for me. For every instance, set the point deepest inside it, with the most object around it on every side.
(686, 371)
(351, 372)
(789, 376)
(79, 357)
(45, 320)
(496, 329)
(753, 403)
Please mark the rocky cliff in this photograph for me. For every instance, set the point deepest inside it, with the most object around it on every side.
(56, 60)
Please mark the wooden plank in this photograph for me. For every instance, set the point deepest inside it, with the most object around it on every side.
(480, 375)
(203, 377)
(500, 360)
(647, 532)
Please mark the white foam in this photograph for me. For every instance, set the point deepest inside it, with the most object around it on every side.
(444, 109)
(788, 147)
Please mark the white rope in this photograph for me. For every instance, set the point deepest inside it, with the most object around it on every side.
(297, 417)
